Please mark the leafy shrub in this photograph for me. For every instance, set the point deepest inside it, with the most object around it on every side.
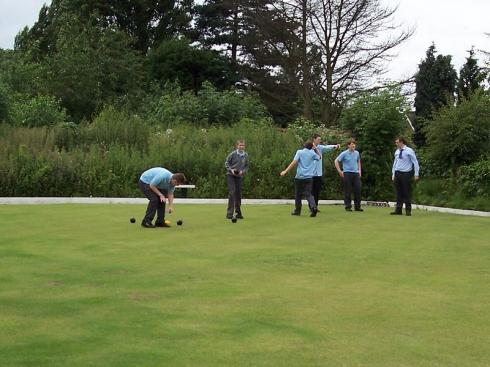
(110, 127)
(37, 111)
(304, 130)
(460, 135)
(209, 106)
(475, 179)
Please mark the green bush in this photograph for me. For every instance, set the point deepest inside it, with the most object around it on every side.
(460, 135)
(475, 179)
(36, 111)
(210, 106)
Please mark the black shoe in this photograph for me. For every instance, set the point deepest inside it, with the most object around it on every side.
(239, 216)
(396, 213)
(359, 210)
(162, 225)
(313, 212)
(348, 209)
(317, 210)
(408, 214)
(147, 225)
(296, 213)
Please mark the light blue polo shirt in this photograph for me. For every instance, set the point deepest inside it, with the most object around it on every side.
(349, 161)
(319, 164)
(159, 177)
(306, 167)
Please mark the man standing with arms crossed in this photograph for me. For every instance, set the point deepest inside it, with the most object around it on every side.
(404, 167)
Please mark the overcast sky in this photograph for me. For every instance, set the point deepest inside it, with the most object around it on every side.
(453, 25)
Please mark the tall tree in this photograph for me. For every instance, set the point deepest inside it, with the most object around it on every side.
(471, 77)
(148, 22)
(226, 25)
(176, 60)
(330, 48)
(435, 84)
(92, 66)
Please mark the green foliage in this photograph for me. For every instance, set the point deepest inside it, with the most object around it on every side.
(471, 77)
(375, 120)
(474, 179)
(37, 111)
(455, 193)
(176, 59)
(435, 85)
(304, 130)
(111, 127)
(3, 103)
(106, 158)
(92, 67)
(209, 106)
(460, 135)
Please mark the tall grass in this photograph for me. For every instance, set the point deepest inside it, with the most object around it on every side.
(106, 159)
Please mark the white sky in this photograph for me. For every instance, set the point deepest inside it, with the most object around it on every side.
(453, 25)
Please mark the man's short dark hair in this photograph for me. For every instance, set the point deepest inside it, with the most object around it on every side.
(401, 139)
(316, 136)
(350, 141)
(308, 144)
(179, 177)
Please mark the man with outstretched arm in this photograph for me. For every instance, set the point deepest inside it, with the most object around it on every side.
(318, 176)
(305, 161)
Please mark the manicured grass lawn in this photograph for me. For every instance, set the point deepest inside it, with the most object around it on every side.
(81, 286)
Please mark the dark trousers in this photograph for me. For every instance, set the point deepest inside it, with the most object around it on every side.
(403, 187)
(352, 184)
(154, 205)
(302, 187)
(234, 195)
(316, 188)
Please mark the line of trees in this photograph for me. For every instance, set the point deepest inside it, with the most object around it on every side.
(302, 57)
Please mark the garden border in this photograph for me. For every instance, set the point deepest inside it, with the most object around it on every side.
(142, 201)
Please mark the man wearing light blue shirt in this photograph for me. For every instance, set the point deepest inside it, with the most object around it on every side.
(405, 166)
(305, 160)
(351, 175)
(158, 185)
(318, 176)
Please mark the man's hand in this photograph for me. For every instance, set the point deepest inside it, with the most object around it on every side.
(284, 173)
(416, 178)
(341, 174)
(162, 198)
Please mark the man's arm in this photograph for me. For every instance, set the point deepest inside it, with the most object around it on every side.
(228, 163)
(245, 168)
(393, 168)
(157, 191)
(170, 202)
(337, 166)
(290, 167)
(416, 166)
(359, 164)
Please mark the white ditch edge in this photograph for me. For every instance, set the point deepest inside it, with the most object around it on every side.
(143, 201)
